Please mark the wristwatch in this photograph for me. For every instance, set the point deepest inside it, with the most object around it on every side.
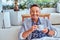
(48, 31)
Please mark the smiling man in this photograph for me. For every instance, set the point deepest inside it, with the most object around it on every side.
(30, 27)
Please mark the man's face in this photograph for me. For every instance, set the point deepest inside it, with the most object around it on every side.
(34, 12)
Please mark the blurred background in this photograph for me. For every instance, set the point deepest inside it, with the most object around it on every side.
(11, 12)
(23, 4)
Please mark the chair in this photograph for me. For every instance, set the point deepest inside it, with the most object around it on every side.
(41, 15)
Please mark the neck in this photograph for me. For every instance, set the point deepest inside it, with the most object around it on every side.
(35, 21)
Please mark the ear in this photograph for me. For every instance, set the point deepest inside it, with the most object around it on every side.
(30, 12)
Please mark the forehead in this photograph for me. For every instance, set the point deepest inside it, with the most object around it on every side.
(34, 8)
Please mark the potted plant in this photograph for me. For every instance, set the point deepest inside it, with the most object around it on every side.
(16, 8)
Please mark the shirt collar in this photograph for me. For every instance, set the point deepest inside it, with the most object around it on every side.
(37, 22)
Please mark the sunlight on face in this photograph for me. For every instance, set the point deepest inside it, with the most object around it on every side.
(34, 12)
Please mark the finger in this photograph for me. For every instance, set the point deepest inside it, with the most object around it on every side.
(35, 26)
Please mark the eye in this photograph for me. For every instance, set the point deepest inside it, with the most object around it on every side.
(32, 11)
(37, 11)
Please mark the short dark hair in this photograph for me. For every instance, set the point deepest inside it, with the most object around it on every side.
(34, 5)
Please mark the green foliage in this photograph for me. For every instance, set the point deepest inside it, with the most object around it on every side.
(41, 3)
(23, 6)
(8, 7)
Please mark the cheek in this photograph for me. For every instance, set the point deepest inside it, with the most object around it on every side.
(37, 12)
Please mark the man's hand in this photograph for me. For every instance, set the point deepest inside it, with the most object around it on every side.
(33, 28)
(26, 33)
(45, 30)
(51, 33)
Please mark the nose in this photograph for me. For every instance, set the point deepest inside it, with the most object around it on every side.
(35, 13)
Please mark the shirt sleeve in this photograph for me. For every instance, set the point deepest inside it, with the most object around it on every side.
(51, 27)
(21, 36)
(22, 29)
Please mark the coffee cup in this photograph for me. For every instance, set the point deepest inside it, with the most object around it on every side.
(40, 27)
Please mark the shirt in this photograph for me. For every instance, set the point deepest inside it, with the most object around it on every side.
(38, 33)
(27, 24)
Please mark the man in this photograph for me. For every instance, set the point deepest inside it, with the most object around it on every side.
(29, 27)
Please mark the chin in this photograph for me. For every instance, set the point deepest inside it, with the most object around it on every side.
(35, 18)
